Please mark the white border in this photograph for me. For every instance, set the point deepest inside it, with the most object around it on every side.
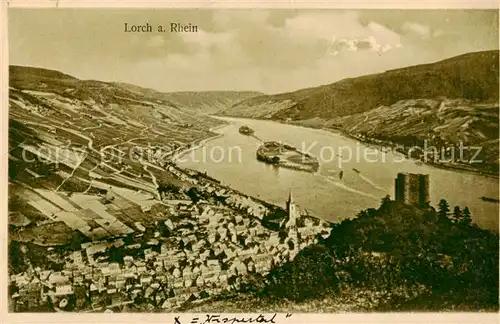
(276, 4)
(186, 317)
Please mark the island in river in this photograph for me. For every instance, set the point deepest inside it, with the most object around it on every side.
(286, 156)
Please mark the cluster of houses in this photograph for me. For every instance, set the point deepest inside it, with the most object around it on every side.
(200, 250)
(211, 250)
(233, 199)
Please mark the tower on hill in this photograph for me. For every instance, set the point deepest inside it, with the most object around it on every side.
(413, 189)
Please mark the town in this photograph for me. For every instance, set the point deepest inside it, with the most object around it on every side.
(201, 248)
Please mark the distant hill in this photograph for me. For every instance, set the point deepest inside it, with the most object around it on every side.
(204, 102)
(472, 76)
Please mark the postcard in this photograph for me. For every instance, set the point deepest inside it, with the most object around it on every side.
(246, 163)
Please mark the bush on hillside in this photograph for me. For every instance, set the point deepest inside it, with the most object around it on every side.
(312, 273)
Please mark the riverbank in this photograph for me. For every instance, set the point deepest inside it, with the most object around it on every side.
(373, 142)
(183, 150)
(262, 210)
(189, 172)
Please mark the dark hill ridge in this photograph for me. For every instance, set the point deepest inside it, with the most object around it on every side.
(472, 76)
(28, 72)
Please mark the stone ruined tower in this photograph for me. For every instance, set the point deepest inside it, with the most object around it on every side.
(424, 194)
(413, 189)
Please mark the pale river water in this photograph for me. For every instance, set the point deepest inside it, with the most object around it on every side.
(231, 159)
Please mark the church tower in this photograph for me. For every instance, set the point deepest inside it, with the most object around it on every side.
(290, 225)
(291, 208)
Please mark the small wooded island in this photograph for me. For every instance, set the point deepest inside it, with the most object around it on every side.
(286, 156)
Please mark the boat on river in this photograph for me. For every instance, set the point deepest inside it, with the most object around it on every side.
(245, 130)
(490, 199)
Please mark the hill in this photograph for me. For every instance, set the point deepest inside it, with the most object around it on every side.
(200, 102)
(79, 137)
(472, 76)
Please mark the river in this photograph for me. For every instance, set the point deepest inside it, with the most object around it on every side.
(231, 159)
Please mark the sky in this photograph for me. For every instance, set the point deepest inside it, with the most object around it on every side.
(270, 51)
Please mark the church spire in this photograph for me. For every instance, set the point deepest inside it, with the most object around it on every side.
(290, 221)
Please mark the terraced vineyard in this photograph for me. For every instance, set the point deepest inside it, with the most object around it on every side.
(72, 142)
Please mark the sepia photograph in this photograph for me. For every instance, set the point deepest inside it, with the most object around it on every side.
(252, 161)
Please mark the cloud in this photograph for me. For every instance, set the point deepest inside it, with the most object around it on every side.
(257, 50)
(438, 33)
(355, 44)
(419, 30)
(265, 50)
(154, 41)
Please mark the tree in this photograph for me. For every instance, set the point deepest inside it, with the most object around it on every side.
(457, 214)
(168, 187)
(385, 202)
(466, 216)
(309, 275)
(444, 209)
(163, 229)
(193, 194)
